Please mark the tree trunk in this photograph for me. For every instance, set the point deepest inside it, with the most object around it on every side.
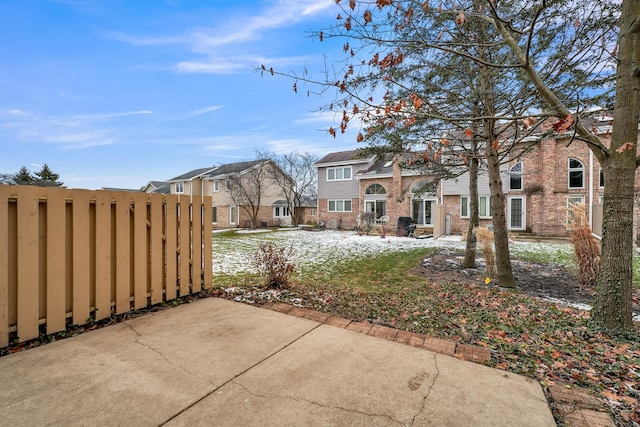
(474, 216)
(498, 211)
(614, 283)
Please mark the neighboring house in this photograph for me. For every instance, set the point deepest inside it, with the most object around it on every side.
(219, 182)
(539, 187)
(160, 187)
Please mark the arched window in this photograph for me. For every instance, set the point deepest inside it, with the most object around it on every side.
(515, 177)
(576, 173)
(375, 189)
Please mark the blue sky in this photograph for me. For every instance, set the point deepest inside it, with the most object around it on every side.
(115, 93)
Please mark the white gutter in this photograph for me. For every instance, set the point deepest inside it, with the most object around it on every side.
(591, 189)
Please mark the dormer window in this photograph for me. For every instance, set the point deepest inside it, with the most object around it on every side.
(179, 187)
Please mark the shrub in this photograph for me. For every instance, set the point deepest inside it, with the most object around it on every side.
(485, 237)
(585, 247)
(275, 264)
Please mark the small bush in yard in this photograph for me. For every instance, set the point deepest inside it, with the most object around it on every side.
(585, 246)
(275, 264)
(485, 237)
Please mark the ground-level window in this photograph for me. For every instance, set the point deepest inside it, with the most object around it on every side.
(339, 205)
(572, 201)
(215, 214)
(313, 212)
(281, 211)
(179, 187)
(484, 207)
(233, 213)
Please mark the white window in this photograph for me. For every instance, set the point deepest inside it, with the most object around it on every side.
(515, 177)
(227, 185)
(339, 205)
(464, 207)
(215, 215)
(576, 173)
(313, 212)
(281, 211)
(572, 201)
(601, 183)
(484, 207)
(179, 187)
(233, 213)
(422, 211)
(216, 185)
(342, 173)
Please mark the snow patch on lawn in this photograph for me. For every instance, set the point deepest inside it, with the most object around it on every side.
(313, 249)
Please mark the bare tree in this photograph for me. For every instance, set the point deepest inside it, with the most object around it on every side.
(297, 177)
(565, 52)
(248, 187)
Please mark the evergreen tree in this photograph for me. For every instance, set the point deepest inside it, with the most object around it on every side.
(47, 178)
(24, 177)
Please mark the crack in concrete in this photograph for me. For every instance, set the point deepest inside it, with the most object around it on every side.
(424, 399)
(321, 405)
(139, 336)
(236, 376)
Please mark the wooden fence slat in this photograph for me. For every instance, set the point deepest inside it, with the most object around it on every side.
(4, 266)
(103, 255)
(56, 260)
(123, 254)
(196, 245)
(141, 250)
(57, 256)
(157, 265)
(171, 244)
(81, 259)
(185, 245)
(28, 268)
(207, 242)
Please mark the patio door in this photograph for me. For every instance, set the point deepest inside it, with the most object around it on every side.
(517, 212)
(379, 207)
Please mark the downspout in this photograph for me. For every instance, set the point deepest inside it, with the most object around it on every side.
(591, 189)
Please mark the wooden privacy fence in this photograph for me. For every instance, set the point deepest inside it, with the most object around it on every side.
(67, 256)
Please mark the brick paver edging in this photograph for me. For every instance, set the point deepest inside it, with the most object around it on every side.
(574, 406)
(468, 352)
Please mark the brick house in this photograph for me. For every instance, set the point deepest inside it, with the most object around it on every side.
(216, 181)
(539, 185)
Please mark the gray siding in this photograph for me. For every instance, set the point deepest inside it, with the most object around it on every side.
(460, 186)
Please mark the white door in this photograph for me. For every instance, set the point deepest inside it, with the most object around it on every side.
(517, 210)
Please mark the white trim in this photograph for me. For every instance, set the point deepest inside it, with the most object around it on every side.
(569, 170)
(343, 168)
(344, 162)
(524, 212)
(335, 205)
(519, 173)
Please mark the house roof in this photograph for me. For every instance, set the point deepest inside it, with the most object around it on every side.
(231, 168)
(382, 166)
(165, 188)
(192, 174)
(339, 157)
(306, 202)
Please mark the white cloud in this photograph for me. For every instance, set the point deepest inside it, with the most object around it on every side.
(205, 110)
(145, 41)
(107, 116)
(213, 67)
(16, 112)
